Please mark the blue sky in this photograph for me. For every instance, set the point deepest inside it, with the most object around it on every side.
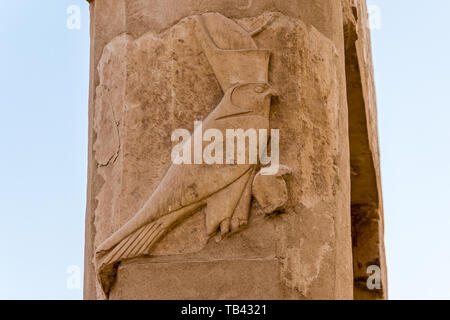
(412, 68)
(44, 74)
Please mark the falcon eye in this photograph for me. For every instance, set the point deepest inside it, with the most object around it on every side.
(259, 89)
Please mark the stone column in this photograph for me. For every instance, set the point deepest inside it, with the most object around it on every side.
(155, 230)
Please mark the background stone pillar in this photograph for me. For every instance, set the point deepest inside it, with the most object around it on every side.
(150, 76)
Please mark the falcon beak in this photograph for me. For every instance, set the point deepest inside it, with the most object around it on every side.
(273, 93)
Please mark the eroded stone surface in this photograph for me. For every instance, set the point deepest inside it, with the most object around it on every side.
(170, 83)
(156, 78)
(158, 281)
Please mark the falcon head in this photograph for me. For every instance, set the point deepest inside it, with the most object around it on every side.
(253, 95)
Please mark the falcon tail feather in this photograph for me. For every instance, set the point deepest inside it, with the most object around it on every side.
(136, 244)
(141, 241)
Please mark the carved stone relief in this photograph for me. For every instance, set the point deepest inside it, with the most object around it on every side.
(169, 69)
(224, 192)
(223, 72)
